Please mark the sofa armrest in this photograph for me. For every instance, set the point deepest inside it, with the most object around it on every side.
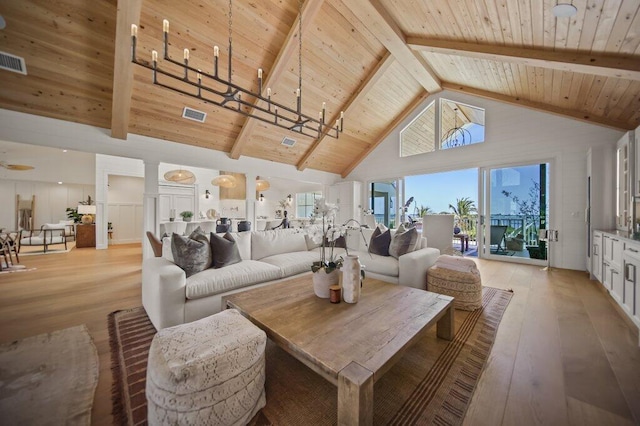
(163, 292)
(413, 267)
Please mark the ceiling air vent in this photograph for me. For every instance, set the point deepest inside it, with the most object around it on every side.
(288, 142)
(13, 63)
(194, 114)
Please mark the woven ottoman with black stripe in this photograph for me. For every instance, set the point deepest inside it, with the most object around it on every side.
(207, 372)
(457, 277)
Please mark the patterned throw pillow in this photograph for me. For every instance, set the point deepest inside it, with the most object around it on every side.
(380, 241)
(403, 241)
(192, 253)
(225, 250)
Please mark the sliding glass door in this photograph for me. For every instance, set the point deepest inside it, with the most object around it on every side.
(516, 209)
(383, 202)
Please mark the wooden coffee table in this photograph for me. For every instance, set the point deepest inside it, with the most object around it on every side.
(350, 345)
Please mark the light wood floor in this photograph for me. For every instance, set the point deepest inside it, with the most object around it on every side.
(563, 354)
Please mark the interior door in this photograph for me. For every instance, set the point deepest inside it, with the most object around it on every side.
(515, 213)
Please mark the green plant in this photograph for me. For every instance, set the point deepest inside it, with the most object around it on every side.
(72, 214)
(186, 214)
(463, 210)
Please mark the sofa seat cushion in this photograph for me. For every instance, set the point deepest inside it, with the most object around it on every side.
(242, 274)
(383, 265)
(39, 240)
(293, 263)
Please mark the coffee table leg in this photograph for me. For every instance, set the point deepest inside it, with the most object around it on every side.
(446, 327)
(355, 395)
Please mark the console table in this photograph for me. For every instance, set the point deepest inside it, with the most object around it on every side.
(85, 236)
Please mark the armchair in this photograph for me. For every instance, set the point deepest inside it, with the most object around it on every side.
(49, 234)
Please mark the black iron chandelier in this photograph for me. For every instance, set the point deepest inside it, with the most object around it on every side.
(457, 136)
(236, 98)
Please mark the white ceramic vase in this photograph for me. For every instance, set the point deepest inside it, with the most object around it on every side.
(322, 281)
(351, 279)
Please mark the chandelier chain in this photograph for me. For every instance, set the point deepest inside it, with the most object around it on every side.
(230, 20)
(300, 46)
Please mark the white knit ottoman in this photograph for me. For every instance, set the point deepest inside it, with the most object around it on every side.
(457, 277)
(207, 372)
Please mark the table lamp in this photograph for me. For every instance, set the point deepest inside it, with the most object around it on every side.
(87, 213)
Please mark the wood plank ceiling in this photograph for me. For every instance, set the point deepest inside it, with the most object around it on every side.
(374, 59)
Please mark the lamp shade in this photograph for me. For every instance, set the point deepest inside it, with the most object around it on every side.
(224, 181)
(86, 209)
(262, 185)
(180, 176)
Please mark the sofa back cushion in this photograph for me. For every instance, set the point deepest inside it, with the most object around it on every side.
(225, 250)
(270, 243)
(191, 253)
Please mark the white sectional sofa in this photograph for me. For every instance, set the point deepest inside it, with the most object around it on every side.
(170, 298)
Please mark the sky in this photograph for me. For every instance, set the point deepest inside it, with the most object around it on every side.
(438, 190)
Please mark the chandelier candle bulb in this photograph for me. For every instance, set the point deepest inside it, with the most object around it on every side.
(260, 73)
(165, 26)
(298, 92)
(154, 56)
(216, 51)
(134, 30)
(186, 54)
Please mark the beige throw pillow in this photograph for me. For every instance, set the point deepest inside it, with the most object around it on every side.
(403, 242)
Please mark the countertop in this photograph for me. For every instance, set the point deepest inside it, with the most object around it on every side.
(627, 235)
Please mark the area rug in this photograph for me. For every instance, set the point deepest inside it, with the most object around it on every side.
(49, 379)
(52, 249)
(431, 384)
(15, 268)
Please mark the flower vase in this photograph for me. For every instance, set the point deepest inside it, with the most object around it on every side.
(351, 279)
(322, 281)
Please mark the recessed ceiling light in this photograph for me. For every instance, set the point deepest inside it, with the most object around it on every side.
(564, 10)
(64, 150)
(59, 183)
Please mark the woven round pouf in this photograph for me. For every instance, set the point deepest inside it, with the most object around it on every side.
(464, 286)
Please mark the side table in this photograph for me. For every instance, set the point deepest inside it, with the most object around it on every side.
(85, 236)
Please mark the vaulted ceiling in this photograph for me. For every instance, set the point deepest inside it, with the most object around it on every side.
(374, 59)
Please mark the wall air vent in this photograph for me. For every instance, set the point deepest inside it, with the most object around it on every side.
(194, 114)
(13, 63)
(288, 142)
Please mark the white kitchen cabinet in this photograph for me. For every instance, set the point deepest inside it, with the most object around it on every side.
(596, 256)
(631, 292)
(175, 197)
(348, 197)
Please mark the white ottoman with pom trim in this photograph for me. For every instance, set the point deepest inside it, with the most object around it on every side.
(457, 277)
(207, 372)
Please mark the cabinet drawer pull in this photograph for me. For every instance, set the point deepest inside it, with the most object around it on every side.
(631, 249)
(595, 249)
(613, 271)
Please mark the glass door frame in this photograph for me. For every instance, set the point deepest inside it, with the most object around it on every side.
(484, 210)
(399, 194)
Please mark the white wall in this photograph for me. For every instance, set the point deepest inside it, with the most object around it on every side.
(43, 131)
(124, 208)
(513, 136)
(51, 200)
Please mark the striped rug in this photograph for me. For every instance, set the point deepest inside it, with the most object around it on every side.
(432, 384)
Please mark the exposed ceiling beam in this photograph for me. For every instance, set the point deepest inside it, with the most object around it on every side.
(385, 29)
(619, 66)
(390, 128)
(128, 13)
(539, 106)
(310, 9)
(364, 88)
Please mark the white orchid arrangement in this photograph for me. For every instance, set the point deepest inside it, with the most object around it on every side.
(328, 235)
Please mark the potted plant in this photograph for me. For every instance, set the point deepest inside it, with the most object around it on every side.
(186, 215)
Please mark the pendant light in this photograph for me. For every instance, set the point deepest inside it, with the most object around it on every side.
(184, 177)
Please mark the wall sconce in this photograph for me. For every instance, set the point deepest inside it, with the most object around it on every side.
(289, 198)
(207, 194)
(261, 198)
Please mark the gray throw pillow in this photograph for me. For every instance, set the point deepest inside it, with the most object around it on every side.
(225, 250)
(380, 241)
(192, 253)
(403, 242)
